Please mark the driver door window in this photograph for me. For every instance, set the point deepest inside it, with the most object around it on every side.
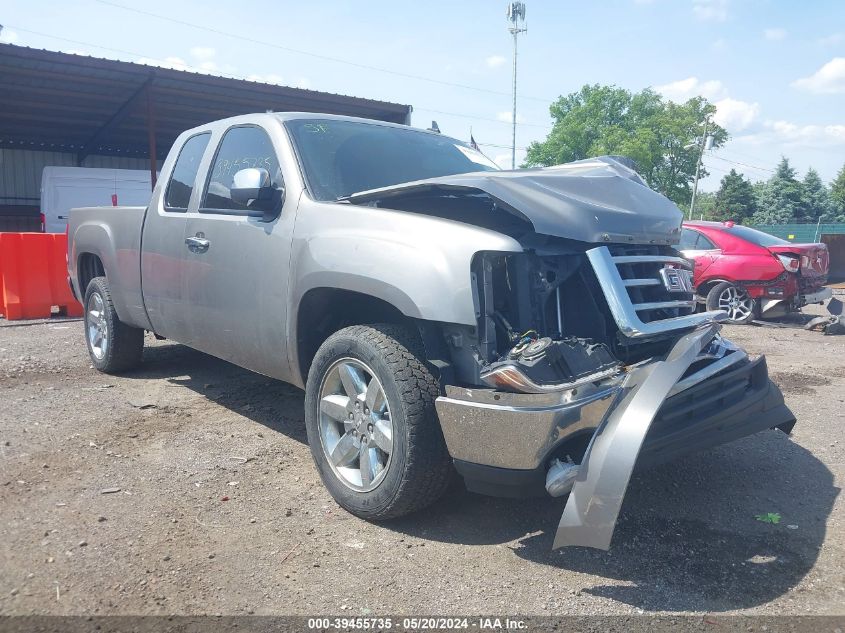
(242, 147)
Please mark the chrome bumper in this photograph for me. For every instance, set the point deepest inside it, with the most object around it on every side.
(522, 431)
(516, 430)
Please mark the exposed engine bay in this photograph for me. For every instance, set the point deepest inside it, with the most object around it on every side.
(544, 322)
(545, 325)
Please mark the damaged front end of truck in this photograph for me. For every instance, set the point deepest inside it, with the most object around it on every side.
(588, 357)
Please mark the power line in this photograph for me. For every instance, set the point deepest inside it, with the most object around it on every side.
(743, 155)
(328, 58)
(221, 73)
(165, 63)
(479, 118)
(736, 162)
(522, 149)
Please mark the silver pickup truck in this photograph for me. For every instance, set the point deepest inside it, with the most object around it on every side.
(533, 330)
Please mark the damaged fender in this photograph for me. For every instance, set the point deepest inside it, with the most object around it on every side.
(589, 517)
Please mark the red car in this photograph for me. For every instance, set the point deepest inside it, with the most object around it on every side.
(751, 274)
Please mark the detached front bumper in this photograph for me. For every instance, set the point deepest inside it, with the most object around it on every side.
(503, 443)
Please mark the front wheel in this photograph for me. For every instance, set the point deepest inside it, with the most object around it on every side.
(734, 300)
(371, 423)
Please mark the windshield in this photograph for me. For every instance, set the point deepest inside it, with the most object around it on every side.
(754, 236)
(344, 157)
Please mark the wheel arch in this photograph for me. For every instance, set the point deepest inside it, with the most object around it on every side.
(323, 311)
(88, 266)
(707, 285)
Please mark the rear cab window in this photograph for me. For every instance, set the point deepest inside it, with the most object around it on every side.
(182, 180)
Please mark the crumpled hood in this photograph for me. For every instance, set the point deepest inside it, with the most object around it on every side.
(593, 200)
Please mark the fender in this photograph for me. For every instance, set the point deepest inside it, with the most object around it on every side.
(118, 250)
(418, 264)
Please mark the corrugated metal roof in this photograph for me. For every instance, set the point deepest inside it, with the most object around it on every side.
(75, 103)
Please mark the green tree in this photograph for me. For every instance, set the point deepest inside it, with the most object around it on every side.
(837, 196)
(705, 203)
(817, 203)
(661, 137)
(781, 200)
(735, 199)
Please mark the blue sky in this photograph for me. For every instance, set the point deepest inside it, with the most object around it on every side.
(775, 68)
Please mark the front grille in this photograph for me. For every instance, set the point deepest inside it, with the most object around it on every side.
(640, 269)
(641, 304)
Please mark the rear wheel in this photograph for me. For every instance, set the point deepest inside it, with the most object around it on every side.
(371, 423)
(734, 300)
(112, 345)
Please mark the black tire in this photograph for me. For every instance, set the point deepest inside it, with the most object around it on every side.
(419, 469)
(125, 344)
(744, 312)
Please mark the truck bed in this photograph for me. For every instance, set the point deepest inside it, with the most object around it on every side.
(114, 235)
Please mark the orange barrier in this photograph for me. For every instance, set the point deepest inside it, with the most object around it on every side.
(33, 276)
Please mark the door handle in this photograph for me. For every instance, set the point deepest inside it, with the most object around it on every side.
(197, 243)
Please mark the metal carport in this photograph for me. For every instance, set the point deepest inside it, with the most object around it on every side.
(84, 108)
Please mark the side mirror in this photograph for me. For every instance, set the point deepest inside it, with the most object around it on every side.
(252, 185)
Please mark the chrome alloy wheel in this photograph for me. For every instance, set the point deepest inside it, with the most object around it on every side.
(96, 326)
(736, 302)
(356, 431)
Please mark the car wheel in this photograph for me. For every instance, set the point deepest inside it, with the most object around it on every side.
(734, 300)
(112, 345)
(371, 423)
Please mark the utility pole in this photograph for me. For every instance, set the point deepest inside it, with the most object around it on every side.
(516, 16)
(706, 143)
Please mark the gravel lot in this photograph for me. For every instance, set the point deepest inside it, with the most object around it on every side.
(219, 509)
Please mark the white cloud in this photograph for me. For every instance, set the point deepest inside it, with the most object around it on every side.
(507, 117)
(201, 61)
(719, 45)
(710, 10)
(831, 40)
(203, 53)
(304, 83)
(829, 79)
(735, 115)
(495, 61)
(775, 35)
(684, 89)
(808, 135)
(8, 36)
(204, 59)
(504, 160)
(267, 79)
(785, 134)
(176, 63)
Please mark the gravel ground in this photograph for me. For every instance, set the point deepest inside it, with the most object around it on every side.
(187, 488)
